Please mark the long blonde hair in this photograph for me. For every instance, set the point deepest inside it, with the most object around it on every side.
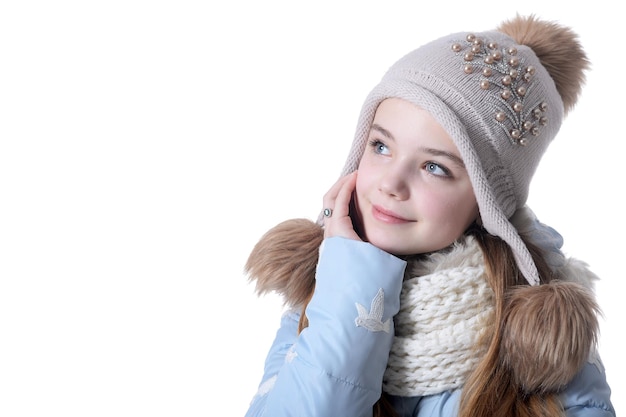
(491, 390)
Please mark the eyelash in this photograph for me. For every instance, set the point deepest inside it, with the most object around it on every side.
(376, 143)
(446, 171)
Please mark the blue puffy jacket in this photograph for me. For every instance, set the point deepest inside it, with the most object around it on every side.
(335, 367)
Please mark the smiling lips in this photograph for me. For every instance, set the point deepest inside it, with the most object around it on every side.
(387, 216)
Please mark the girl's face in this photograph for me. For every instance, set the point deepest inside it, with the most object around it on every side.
(413, 194)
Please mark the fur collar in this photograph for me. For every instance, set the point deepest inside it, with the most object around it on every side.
(547, 331)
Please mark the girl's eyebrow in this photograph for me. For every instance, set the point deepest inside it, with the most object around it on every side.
(438, 152)
(432, 151)
(382, 131)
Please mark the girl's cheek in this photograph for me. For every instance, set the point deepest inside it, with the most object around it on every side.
(362, 181)
(431, 201)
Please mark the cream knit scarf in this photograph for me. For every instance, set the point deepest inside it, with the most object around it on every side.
(445, 304)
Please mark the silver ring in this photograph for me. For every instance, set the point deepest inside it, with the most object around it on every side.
(328, 212)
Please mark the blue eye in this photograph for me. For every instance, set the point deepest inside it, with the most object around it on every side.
(436, 169)
(379, 147)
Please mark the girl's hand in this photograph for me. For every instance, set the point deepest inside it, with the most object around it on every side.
(337, 204)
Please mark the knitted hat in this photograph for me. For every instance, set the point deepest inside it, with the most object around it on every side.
(501, 95)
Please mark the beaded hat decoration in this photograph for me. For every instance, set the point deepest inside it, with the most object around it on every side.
(502, 68)
(494, 96)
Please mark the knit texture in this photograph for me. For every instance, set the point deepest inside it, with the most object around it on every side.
(501, 140)
(437, 329)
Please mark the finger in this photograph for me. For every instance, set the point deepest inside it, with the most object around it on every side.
(331, 194)
(342, 201)
(339, 222)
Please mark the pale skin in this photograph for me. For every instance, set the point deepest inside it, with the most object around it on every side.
(412, 193)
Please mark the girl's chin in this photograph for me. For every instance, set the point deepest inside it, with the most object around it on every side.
(393, 248)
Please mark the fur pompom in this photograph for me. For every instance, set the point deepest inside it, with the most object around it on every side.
(559, 51)
(284, 260)
(549, 332)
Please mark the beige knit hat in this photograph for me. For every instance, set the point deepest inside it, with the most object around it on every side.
(501, 96)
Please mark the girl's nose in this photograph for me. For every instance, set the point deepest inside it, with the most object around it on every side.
(393, 182)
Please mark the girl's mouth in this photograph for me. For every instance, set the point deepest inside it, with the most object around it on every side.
(387, 216)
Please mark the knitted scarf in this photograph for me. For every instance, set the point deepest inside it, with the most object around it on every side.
(445, 305)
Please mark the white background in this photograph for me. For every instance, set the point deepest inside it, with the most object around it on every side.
(147, 145)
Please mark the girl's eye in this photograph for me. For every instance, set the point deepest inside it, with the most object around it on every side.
(379, 147)
(436, 169)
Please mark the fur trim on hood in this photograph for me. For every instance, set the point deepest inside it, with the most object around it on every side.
(548, 331)
(284, 261)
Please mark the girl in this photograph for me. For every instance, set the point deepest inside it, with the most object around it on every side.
(427, 287)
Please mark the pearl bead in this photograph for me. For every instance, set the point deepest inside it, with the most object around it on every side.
(488, 58)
